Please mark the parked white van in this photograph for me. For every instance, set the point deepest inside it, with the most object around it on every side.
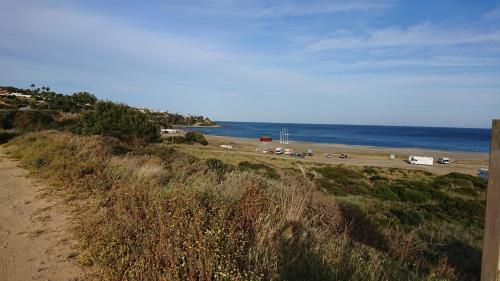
(420, 160)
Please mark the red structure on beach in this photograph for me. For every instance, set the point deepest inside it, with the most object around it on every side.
(266, 139)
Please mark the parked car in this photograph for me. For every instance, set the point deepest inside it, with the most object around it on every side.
(279, 150)
(443, 160)
(343, 156)
(483, 173)
(329, 156)
(309, 152)
(297, 154)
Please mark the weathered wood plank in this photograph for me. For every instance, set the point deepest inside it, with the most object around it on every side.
(490, 269)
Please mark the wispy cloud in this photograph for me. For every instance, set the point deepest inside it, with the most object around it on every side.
(425, 34)
(493, 14)
(286, 8)
(70, 48)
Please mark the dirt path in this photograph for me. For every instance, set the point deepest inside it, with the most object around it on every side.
(34, 240)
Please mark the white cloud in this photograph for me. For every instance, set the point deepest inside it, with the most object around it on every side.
(64, 47)
(425, 34)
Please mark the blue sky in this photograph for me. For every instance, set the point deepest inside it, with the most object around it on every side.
(425, 63)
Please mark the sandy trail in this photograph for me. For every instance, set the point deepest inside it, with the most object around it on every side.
(35, 243)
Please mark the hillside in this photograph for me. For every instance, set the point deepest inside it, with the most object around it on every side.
(53, 104)
(154, 212)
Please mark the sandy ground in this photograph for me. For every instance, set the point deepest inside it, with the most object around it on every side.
(34, 240)
(463, 162)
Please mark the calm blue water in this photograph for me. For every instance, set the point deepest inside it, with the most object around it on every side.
(453, 139)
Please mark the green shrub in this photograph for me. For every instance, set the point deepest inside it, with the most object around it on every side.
(5, 136)
(262, 169)
(338, 178)
(7, 119)
(457, 180)
(195, 137)
(118, 120)
(218, 166)
(370, 170)
(407, 216)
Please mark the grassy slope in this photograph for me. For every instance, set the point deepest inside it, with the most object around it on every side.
(159, 213)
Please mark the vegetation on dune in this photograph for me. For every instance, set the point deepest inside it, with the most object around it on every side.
(118, 120)
(195, 137)
(147, 211)
(151, 212)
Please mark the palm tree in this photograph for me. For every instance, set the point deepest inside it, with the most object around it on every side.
(33, 87)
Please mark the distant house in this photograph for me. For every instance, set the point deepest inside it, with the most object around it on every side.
(17, 95)
(169, 131)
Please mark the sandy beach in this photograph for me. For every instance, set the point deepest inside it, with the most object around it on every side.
(462, 162)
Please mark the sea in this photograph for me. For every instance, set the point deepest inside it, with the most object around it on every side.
(436, 138)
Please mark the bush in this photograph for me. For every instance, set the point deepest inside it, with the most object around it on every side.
(259, 169)
(5, 136)
(458, 180)
(341, 178)
(118, 120)
(195, 137)
(7, 119)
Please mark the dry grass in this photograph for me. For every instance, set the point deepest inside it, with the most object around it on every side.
(160, 214)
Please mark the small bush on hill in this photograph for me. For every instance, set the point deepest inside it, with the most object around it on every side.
(335, 179)
(195, 137)
(457, 180)
(5, 136)
(118, 120)
(259, 169)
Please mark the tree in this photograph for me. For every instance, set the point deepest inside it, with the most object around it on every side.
(118, 120)
(195, 137)
(32, 86)
(84, 98)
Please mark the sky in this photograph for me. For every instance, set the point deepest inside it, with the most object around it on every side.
(390, 62)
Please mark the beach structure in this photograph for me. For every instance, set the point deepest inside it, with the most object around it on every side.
(169, 131)
(284, 135)
(266, 139)
(420, 160)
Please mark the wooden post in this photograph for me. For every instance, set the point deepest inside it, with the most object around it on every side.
(490, 268)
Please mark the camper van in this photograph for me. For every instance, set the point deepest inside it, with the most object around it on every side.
(420, 160)
(279, 150)
(288, 151)
(443, 160)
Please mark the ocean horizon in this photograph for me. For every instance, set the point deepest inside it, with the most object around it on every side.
(436, 138)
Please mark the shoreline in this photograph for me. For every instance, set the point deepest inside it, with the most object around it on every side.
(354, 146)
(463, 162)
